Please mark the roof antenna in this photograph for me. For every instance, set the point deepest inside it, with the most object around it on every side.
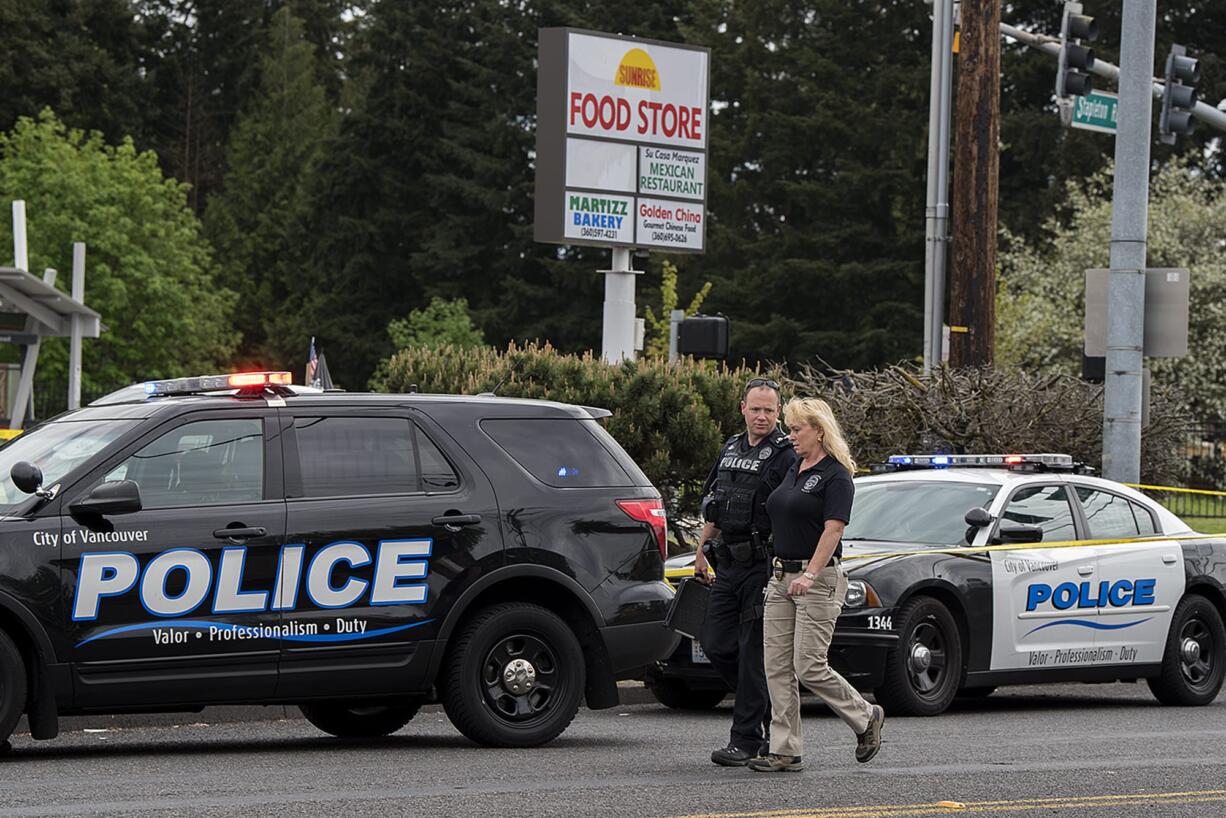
(516, 365)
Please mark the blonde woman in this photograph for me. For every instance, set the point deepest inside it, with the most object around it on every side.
(807, 586)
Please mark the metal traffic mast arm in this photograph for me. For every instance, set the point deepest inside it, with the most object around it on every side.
(1051, 45)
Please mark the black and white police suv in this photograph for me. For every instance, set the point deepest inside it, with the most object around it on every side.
(234, 539)
(1082, 579)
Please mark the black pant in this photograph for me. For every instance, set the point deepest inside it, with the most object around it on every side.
(732, 639)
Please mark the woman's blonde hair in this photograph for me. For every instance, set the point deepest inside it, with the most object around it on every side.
(817, 414)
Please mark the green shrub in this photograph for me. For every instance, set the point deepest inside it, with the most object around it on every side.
(898, 411)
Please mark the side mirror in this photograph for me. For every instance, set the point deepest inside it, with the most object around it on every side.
(1020, 534)
(113, 497)
(26, 476)
(978, 517)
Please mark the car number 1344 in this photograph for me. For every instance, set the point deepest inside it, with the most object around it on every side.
(881, 623)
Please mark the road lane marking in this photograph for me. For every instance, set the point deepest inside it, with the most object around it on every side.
(968, 808)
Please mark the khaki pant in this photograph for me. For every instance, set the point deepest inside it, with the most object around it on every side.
(796, 641)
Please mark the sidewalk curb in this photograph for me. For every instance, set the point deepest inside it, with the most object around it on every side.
(629, 693)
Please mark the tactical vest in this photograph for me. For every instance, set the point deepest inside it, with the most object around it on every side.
(739, 504)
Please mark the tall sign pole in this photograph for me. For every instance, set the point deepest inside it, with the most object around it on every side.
(972, 292)
(1129, 215)
(936, 210)
(621, 156)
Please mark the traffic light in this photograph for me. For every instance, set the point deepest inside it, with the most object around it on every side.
(1072, 78)
(1179, 97)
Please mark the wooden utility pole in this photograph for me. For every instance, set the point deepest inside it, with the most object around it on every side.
(972, 280)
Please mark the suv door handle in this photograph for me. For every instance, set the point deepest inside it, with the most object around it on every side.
(1085, 570)
(453, 521)
(240, 533)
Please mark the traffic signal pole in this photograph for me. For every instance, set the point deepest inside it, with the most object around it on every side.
(1129, 236)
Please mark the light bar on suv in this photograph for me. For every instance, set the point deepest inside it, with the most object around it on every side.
(1019, 462)
(217, 383)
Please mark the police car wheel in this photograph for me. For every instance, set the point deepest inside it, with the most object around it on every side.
(922, 674)
(358, 720)
(514, 676)
(1194, 662)
(12, 686)
(678, 695)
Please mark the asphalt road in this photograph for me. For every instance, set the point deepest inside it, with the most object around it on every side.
(1105, 750)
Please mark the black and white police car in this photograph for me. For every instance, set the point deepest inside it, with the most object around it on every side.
(235, 539)
(972, 571)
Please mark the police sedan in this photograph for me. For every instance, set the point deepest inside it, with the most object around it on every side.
(972, 571)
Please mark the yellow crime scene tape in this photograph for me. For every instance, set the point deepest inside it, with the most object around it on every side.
(1039, 546)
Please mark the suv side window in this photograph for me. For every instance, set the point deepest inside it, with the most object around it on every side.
(560, 452)
(201, 463)
(1045, 506)
(1109, 515)
(363, 456)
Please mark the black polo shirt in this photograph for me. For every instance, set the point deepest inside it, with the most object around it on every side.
(803, 502)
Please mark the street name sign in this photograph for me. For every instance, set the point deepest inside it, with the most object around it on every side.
(621, 141)
(1096, 111)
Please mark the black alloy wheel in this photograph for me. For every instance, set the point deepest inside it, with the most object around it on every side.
(12, 687)
(922, 674)
(514, 676)
(1194, 661)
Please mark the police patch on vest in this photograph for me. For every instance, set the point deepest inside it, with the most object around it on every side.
(766, 453)
(811, 483)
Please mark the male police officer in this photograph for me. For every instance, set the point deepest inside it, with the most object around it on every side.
(734, 539)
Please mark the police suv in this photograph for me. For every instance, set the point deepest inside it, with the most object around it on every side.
(235, 539)
(973, 571)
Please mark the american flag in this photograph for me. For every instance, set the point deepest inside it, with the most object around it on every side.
(312, 366)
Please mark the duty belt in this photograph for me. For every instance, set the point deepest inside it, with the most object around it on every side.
(797, 566)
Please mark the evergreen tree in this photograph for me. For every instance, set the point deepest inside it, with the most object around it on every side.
(815, 231)
(148, 271)
(273, 148)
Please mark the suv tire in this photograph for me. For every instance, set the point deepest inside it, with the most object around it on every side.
(923, 673)
(514, 676)
(678, 695)
(12, 687)
(358, 720)
(1187, 679)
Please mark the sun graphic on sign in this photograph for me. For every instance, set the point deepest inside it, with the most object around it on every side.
(637, 70)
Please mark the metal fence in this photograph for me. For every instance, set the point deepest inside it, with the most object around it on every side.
(51, 398)
(1204, 455)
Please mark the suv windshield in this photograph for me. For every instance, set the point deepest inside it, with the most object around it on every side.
(56, 448)
(915, 511)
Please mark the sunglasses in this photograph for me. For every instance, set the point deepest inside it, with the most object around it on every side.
(754, 383)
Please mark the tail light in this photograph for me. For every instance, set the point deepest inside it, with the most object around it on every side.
(652, 513)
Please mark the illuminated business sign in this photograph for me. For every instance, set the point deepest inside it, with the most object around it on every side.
(621, 141)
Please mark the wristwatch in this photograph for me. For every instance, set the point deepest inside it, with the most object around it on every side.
(809, 575)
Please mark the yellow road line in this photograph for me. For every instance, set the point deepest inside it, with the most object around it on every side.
(971, 807)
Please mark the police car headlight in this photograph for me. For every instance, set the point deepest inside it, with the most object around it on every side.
(860, 595)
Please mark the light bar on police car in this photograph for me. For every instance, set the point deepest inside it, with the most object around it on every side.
(217, 383)
(990, 461)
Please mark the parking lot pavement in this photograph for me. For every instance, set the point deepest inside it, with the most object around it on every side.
(1070, 750)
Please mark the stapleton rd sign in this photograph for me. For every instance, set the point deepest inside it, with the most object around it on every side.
(1096, 111)
(621, 141)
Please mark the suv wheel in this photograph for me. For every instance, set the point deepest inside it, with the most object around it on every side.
(1193, 663)
(922, 674)
(357, 720)
(678, 695)
(12, 687)
(514, 676)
